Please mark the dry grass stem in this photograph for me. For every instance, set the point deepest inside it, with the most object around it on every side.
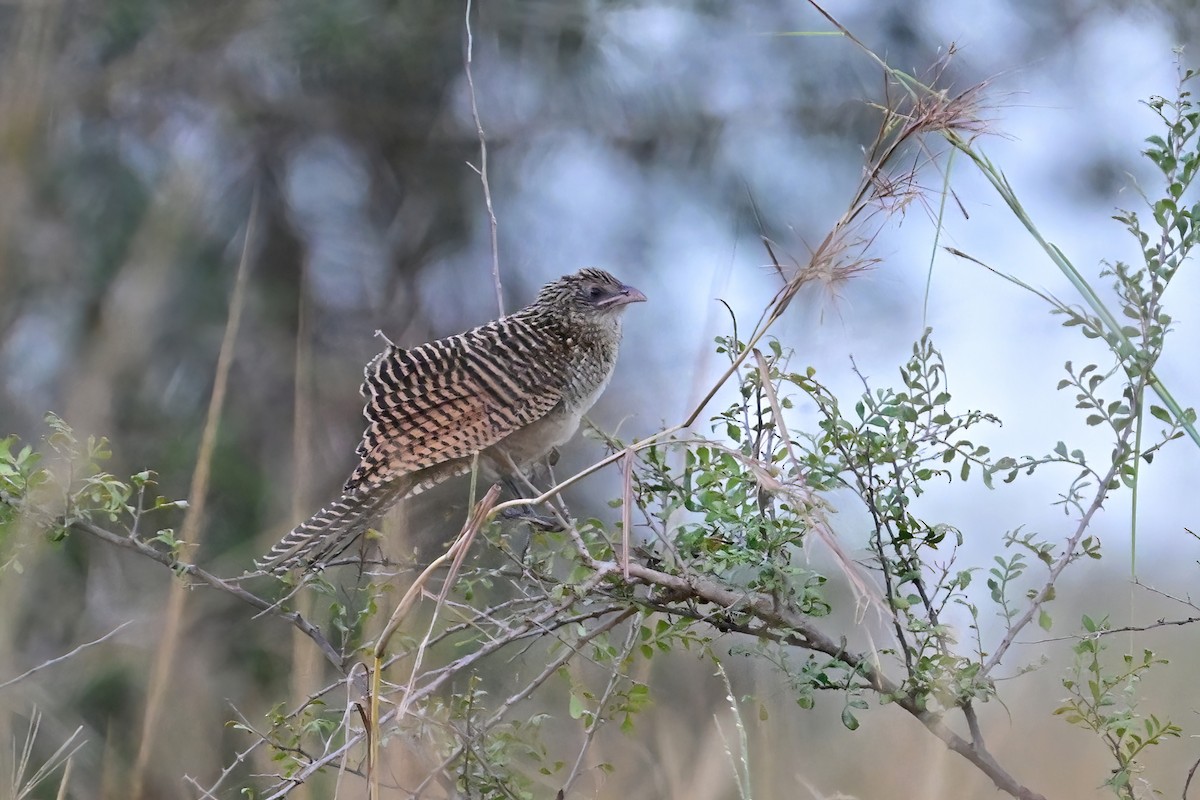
(160, 678)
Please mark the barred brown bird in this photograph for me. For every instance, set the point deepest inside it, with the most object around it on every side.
(509, 391)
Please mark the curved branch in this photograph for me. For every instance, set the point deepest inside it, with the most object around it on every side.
(768, 610)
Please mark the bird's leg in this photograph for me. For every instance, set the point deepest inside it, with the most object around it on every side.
(526, 513)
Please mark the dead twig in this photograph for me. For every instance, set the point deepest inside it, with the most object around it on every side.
(66, 656)
(482, 169)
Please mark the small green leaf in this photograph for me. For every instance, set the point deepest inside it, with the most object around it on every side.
(849, 720)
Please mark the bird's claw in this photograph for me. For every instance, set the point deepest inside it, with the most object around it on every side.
(528, 515)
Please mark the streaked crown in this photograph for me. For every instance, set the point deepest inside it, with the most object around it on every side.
(588, 292)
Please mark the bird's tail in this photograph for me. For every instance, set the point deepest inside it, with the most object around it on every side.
(333, 529)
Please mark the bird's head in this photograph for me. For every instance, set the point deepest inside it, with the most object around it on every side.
(591, 296)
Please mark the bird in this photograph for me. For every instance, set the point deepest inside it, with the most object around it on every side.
(508, 394)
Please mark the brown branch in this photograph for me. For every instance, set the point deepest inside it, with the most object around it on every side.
(220, 584)
(767, 609)
(437, 679)
(527, 690)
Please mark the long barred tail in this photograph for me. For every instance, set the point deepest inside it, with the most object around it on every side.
(312, 544)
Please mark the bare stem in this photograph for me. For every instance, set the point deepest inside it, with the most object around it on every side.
(1068, 555)
(65, 656)
(482, 169)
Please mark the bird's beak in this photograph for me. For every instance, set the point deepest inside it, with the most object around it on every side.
(626, 295)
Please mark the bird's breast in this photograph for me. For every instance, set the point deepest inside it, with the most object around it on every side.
(589, 372)
(532, 443)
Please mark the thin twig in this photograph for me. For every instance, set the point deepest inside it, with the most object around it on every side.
(1191, 774)
(1068, 555)
(482, 169)
(221, 584)
(614, 679)
(1186, 600)
(439, 678)
(530, 687)
(1162, 623)
(66, 656)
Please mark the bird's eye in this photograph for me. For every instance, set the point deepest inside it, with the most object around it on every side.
(595, 293)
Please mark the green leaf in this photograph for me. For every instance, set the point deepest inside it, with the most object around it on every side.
(849, 720)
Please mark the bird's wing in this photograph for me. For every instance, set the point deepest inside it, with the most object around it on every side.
(454, 397)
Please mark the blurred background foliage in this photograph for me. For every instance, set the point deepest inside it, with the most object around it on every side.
(630, 135)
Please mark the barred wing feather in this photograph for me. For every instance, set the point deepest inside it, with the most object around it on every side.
(455, 397)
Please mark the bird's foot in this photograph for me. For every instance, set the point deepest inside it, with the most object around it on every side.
(528, 515)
